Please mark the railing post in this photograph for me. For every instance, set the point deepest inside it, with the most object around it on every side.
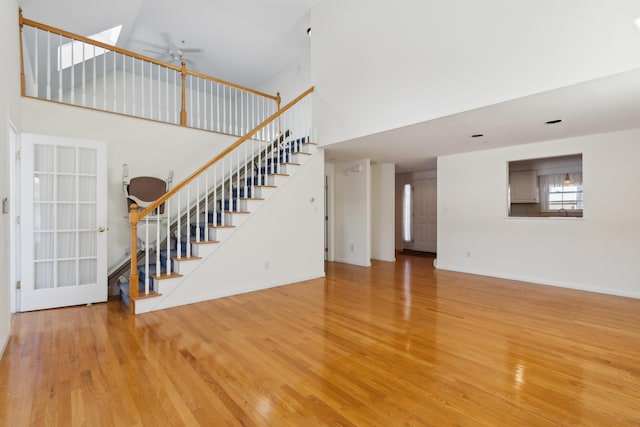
(23, 84)
(133, 275)
(183, 112)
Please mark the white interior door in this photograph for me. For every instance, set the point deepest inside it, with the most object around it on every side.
(63, 218)
(425, 221)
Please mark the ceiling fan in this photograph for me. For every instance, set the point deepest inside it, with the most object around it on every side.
(174, 53)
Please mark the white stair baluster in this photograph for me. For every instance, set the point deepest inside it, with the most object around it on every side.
(49, 65)
(73, 73)
(167, 114)
(218, 107)
(60, 70)
(159, 92)
(142, 100)
(211, 123)
(190, 112)
(95, 64)
(104, 81)
(215, 195)
(84, 77)
(179, 228)
(205, 227)
(146, 256)
(133, 86)
(156, 245)
(236, 110)
(197, 213)
(124, 85)
(35, 61)
(197, 101)
(188, 232)
(115, 82)
(167, 212)
(176, 103)
(151, 90)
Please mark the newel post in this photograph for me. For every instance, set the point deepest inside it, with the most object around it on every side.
(23, 84)
(133, 275)
(183, 111)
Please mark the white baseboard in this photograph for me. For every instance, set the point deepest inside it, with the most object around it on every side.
(576, 286)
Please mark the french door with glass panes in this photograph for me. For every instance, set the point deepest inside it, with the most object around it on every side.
(63, 220)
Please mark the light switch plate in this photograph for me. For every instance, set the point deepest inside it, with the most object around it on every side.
(5, 205)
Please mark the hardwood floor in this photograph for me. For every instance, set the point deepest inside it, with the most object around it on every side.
(394, 345)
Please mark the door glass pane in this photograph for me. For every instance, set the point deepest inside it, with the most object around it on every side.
(66, 216)
(43, 158)
(43, 246)
(66, 159)
(43, 275)
(88, 242)
(66, 188)
(66, 245)
(43, 216)
(88, 160)
(87, 220)
(87, 188)
(88, 271)
(42, 188)
(66, 273)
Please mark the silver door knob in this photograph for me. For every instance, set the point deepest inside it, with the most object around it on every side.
(101, 229)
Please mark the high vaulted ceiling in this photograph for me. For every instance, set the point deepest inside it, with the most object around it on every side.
(250, 41)
(243, 41)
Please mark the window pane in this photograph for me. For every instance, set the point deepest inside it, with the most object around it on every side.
(406, 213)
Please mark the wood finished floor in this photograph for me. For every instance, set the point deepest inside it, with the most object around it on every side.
(398, 344)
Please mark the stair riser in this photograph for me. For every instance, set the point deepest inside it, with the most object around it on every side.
(219, 234)
(234, 219)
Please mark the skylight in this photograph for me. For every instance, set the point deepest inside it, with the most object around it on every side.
(71, 53)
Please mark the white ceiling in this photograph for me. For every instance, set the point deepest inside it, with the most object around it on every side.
(250, 41)
(602, 105)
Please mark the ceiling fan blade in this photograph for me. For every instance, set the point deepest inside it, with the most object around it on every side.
(156, 52)
(167, 39)
(191, 50)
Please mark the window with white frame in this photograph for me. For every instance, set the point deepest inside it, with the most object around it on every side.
(561, 192)
(406, 213)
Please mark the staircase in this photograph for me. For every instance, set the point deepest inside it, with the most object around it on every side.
(241, 198)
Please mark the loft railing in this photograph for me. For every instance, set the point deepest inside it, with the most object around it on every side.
(205, 200)
(60, 66)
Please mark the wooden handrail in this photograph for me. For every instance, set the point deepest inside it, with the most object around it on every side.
(222, 154)
(44, 27)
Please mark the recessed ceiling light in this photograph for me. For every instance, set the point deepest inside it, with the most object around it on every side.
(477, 135)
(553, 122)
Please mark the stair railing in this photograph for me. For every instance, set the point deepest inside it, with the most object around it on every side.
(63, 67)
(208, 198)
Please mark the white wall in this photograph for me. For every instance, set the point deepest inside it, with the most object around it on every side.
(599, 252)
(383, 187)
(352, 208)
(292, 80)
(378, 65)
(149, 148)
(9, 111)
(281, 243)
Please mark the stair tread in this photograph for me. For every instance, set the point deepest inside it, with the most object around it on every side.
(222, 226)
(151, 294)
(266, 186)
(251, 198)
(165, 276)
(301, 152)
(204, 242)
(278, 174)
(237, 212)
(290, 163)
(185, 258)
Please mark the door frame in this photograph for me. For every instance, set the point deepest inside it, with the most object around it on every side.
(14, 213)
